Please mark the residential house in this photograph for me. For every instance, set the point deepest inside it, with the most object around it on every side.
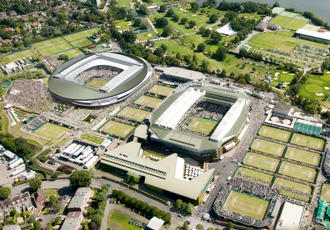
(264, 26)
(72, 221)
(9, 29)
(6, 41)
(3, 15)
(36, 25)
(17, 38)
(39, 198)
(11, 227)
(18, 202)
(25, 17)
(12, 13)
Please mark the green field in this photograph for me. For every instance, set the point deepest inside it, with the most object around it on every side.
(294, 186)
(281, 20)
(72, 53)
(82, 34)
(150, 102)
(52, 46)
(277, 134)
(268, 147)
(92, 138)
(303, 156)
(295, 24)
(325, 193)
(285, 77)
(96, 83)
(50, 192)
(117, 128)
(202, 125)
(51, 131)
(316, 84)
(124, 3)
(246, 205)
(136, 114)
(307, 141)
(298, 171)
(260, 161)
(254, 174)
(18, 55)
(146, 35)
(83, 42)
(161, 90)
(120, 221)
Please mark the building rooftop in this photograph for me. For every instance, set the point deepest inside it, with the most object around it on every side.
(70, 223)
(320, 35)
(226, 30)
(291, 216)
(11, 227)
(184, 73)
(155, 223)
(76, 202)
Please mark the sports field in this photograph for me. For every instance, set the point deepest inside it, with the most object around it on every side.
(136, 114)
(117, 128)
(18, 55)
(246, 205)
(52, 46)
(294, 186)
(82, 34)
(316, 87)
(82, 42)
(303, 156)
(254, 174)
(202, 125)
(298, 171)
(71, 53)
(277, 134)
(325, 193)
(281, 20)
(148, 101)
(51, 131)
(307, 141)
(161, 90)
(96, 83)
(295, 24)
(260, 161)
(268, 147)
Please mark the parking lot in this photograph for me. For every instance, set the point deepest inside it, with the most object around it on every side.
(5, 180)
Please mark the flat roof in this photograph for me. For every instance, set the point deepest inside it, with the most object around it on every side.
(227, 30)
(183, 73)
(291, 216)
(155, 223)
(321, 35)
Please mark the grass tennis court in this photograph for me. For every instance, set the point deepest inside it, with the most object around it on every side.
(117, 128)
(82, 34)
(268, 147)
(254, 174)
(18, 55)
(202, 125)
(51, 131)
(307, 141)
(246, 205)
(72, 53)
(96, 83)
(298, 171)
(82, 42)
(325, 193)
(52, 46)
(281, 20)
(303, 156)
(161, 90)
(295, 24)
(294, 186)
(92, 138)
(136, 114)
(277, 134)
(148, 101)
(260, 161)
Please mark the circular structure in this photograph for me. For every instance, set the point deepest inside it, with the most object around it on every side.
(275, 119)
(286, 122)
(314, 88)
(99, 79)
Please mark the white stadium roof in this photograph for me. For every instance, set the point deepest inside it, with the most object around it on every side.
(321, 35)
(290, 217)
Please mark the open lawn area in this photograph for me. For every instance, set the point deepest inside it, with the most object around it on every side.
(325, 193)
(120, 221)
(285, 77)
(92, 138)
(82, 34)
(18, 55)
(135, 114)
(71, 53)
(268, 147)
(124, 24)
(316, 87)
(246, 205)
(274, 133)
(298, 171)
(83, 42)
(281, 20)
(260, 161)
(303, 156)
(295, 24)
(124, 3)
(52, 46)
(51, 131)
(202, 125)
(96, 83)
(49, 192)
(307, 141)
(146, 35)
(117, 128)
(161, 90)
(251, 173)
(150, 102)
(294, 186)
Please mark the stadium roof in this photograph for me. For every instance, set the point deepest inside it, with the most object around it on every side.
(164, 174)
(314, 34)
(308, 127)
(183, 74)
(321, 210)
(226, 30)
(291, 216)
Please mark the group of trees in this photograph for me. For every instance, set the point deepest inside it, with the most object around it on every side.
(80, 178)
(315, 19)
(132, 177)
(246, 7)
(186, 207)
(35, 184)
(139, 206)
(96, 209)
(4, 192)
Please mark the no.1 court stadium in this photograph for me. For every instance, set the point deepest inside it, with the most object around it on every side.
(201, 125)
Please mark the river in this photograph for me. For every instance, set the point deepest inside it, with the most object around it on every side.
(320, 7)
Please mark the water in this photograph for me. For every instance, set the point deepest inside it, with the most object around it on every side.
(320, 7)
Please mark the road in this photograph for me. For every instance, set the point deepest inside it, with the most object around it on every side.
(106, 7)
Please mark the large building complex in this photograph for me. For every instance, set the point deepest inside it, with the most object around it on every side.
(99, 79)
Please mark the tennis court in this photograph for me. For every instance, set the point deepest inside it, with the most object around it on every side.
(268, 147)
(303, 156)
(307, 141)
(274, 133)
(261, 161)
(298, 171)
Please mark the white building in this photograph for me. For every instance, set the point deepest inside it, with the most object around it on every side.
(291, 217)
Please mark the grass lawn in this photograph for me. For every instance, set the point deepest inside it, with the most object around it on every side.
(96, 83)
(148, 101)
(52, 46)
(136, 114)
(202, 125)
(325, 193)
(72, 53)
(277, 134)
(19, 55)
(51, 131)
(246, 205)
(124, 3)
(294, 186)
(120, 221)
(298, 171)
(303, 156)
(92, 138)
(82, 34)
(254, 174)
(260, 161)
(316, 84)
(281, 20)
(295, 24)
(117, 128)
(268, 147)
(124, 24)
(146, 35)
(307, 141)
(293, 195)
(285, 77)
(61, 142)
(147, 153)
(50, 192)
(161, 90)
(83, 42)
(16, 131)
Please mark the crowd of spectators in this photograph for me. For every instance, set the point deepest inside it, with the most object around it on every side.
(35, 123)
(211, 111)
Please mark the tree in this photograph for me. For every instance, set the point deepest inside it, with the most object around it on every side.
(201, 47)
(199, 227)
(52, 200)
(164, 47)
(101, 196)
(105, 38)
(183, 21)
(161, 22)
(194, 7)
(220, 54)
(35, 184)
(178, 203)
(132, 177)
(144, 9)
(162, 9)
(216, 37)
(5, 192)
(80, 179)
(207, 33)
(167, 31)
(276, 4)
(202, 30)
(63, 57)
(37, 225)
(192, 24)
(170, 13)
(213, 18)
(185, 226)
(326, 64)
(230, 225)
(176, 18)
